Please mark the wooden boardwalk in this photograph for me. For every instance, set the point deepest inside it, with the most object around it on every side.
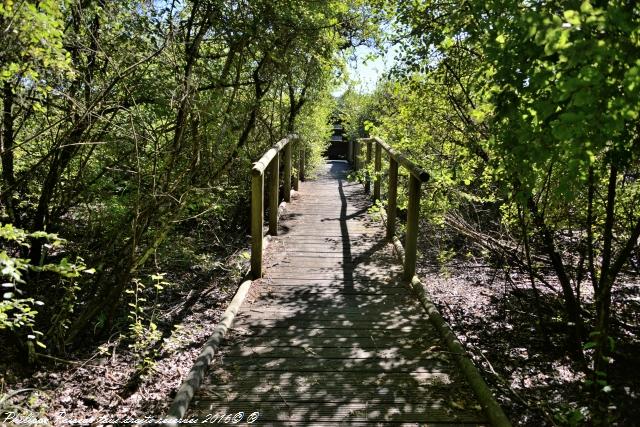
(330, 335)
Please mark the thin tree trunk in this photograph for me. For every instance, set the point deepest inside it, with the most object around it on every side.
(572, 305)
(6, 151)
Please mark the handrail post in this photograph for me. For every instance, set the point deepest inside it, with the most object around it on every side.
(367, 184)
(377, 169)
(356, 155)
(350, 152)
(287, 172)
(274, 194)
(296, 176)
(392, 198)
(301, 159)
(411, 237)
(257, 206)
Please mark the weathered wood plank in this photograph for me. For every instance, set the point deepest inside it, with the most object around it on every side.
(414, 332)
(332, 412)
(305, 299)
(326, 314)
(326, 352)
(439, 379)
(327, 291)
(244, 321)
(334, 262)
(383, 367)
(293, 273)
(366, 342)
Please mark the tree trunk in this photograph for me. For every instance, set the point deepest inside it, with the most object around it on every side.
(6, 152)
(572, 305)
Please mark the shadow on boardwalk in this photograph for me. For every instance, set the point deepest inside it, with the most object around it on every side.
(330, 335)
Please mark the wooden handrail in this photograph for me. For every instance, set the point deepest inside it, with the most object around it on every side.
(414, 169)
(271, 160)
(267, 157)
(417, 176)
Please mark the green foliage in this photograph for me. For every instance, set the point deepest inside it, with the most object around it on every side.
(18, 311)
(124, 121)
(314, 132)
(143, 331)
(528, 112)
(32, 42)
(573, 98)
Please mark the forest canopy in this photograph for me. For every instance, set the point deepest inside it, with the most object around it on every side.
(123, 119)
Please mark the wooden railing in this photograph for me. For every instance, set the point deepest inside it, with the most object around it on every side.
(416, 177)
(271, 160)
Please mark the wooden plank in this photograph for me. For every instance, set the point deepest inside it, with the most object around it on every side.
(330, 251)
(293, 273)
(364, 281)
(363, 312)
(307, 393)
(339, 386)
(320, 264)
(318, 261)
(332, 225)
(321, 300)
(362, 241)
(275, 393)
(364, 305)
(316, 364)
(337, 341)
(408, 332)
(437, 378)
(330, 289)
(333, 214)
(317, 301)
(324, 309)
(319, 319)
(324, 352)
(364, 236)
(331, 412)
(331, 211)
(333, 229)
(245, 321)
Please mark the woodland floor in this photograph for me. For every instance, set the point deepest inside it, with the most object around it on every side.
(490, 309)
(102, 380)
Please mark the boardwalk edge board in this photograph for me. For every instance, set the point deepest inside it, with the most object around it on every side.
(489, 404)
(195, 376)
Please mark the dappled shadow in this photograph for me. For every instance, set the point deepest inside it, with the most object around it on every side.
(519, 337)
(331, 335)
